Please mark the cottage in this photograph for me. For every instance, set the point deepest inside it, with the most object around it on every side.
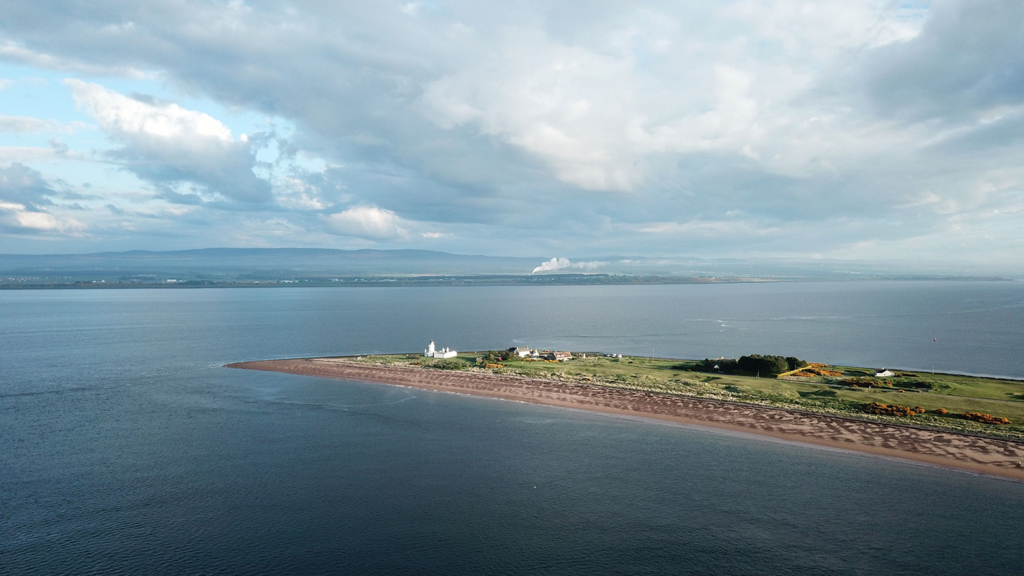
(521, 351)
(883, 373)
(432, 352)
(559, 356)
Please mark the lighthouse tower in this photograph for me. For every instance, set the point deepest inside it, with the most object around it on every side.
(432, 352)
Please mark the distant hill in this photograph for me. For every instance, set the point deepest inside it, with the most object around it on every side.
(222, 264)
(229, 266)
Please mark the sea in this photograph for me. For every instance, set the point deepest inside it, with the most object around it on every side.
(126, 446)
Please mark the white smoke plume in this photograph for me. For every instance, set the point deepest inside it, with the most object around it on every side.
(565, 264)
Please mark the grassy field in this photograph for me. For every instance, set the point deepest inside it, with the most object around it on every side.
(825, 394)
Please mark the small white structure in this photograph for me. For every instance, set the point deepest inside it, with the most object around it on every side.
(883, 373)
(521, 351)
(431, 352)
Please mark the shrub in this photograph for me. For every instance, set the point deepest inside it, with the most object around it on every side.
(941, 411)
(892, 409)
(447, 365)
(814, 371)
(865, 383)
(984, 418)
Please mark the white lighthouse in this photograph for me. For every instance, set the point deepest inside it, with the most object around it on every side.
(431, 352)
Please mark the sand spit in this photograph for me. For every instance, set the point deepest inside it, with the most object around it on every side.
(985, 455)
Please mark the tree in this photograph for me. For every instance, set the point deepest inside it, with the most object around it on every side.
(763, 365)
(495, 356)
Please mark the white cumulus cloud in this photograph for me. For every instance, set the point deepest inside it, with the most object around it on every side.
(18, 216)
(556, 264)
(368, 222)
(167, 144)
(119, 113)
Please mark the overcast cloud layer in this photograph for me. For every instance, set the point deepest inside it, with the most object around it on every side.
(849, 129)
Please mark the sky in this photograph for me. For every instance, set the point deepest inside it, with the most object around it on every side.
(850, 130)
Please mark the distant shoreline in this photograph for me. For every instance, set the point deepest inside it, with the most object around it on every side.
(484, 280)
(998, 457)
(410, 281)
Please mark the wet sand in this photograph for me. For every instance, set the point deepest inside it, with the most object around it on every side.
(984, 455)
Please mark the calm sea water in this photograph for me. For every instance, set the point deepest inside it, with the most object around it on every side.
(126, 447)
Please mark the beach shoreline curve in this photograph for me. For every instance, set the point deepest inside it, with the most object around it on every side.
(978, 454)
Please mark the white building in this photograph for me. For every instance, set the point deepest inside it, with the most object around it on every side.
(521, 351)
(431, 352)
(883, 373)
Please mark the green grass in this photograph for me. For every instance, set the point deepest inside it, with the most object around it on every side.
(822, 394)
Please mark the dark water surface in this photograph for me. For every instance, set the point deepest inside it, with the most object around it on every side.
(125, 447)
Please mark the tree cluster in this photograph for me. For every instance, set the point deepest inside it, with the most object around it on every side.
(495, 356)
(763, 365)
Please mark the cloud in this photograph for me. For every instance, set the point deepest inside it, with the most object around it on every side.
(20, 54)
(556, 264)
(969, 57)
(368, 222)
(126, 116)
(27, 206)
(27, 125)
(21, 218)
(20, 184)
(711, 229)
(16, 154)
(167, 144)
(656, 127)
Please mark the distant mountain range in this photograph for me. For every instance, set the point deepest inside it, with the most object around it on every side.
(285, 265)
(259, 263)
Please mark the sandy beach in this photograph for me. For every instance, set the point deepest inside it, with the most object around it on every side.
(978, 454)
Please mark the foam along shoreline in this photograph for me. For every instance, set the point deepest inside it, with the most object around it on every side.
(993, 456)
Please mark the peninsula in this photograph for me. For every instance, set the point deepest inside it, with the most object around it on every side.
(947, 420)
